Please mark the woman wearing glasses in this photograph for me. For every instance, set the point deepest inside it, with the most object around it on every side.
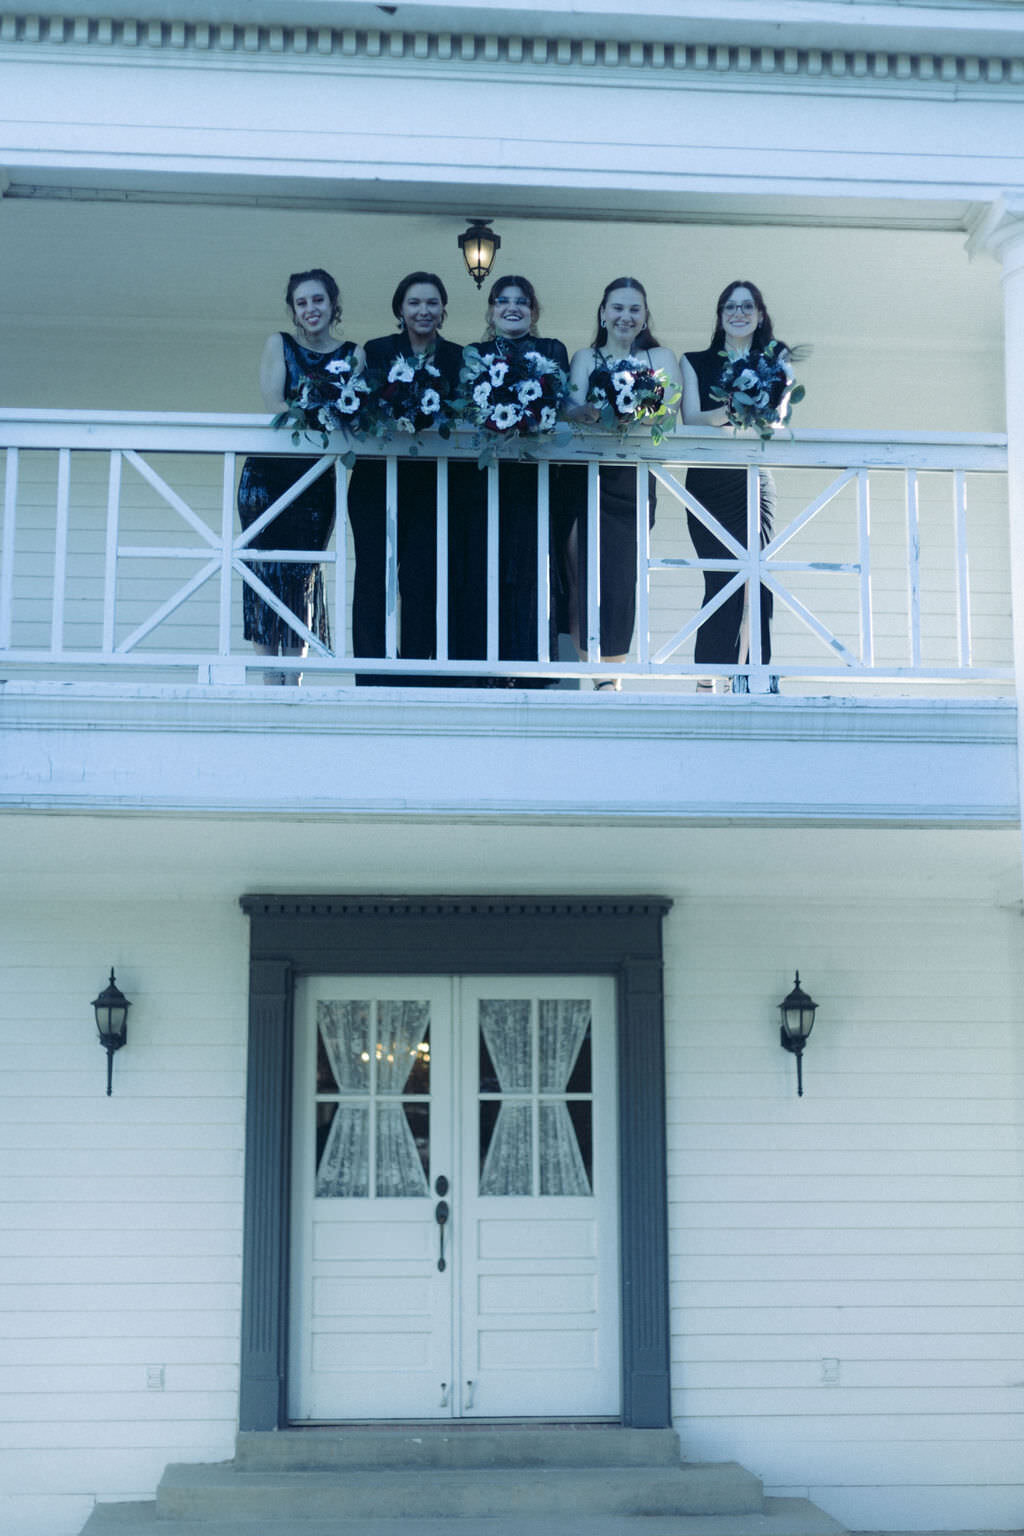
(743, 327)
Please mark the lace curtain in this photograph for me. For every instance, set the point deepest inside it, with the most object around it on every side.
(401, 1028)
(344, 1168)
(563, 1029)
(507, 1169)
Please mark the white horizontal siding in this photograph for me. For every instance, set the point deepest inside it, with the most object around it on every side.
(120, 1218)
(875, 1223)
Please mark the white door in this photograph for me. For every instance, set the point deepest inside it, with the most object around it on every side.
(455, 1220)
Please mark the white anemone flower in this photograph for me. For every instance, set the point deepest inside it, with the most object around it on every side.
(401, 371)
(430, 402)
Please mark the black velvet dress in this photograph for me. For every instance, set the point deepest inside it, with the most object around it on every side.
(724, 493)
(417, 531)
(306, 524)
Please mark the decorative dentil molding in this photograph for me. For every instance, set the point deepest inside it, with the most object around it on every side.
(216, 39)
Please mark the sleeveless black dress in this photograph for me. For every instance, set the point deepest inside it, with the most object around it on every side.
(417, 534)
(306, 524)
(617, 577)
(724, 493)
(517, 545)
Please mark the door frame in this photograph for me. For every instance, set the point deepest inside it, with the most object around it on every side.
(461, 935)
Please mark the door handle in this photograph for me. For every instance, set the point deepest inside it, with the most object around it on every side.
(441, 1214)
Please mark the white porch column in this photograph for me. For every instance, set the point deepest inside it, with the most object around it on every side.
(1001, 232)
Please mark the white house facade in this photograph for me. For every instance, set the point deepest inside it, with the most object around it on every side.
(453, 1093)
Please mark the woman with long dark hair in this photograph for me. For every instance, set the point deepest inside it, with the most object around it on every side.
(513, 312)
(743, 328)
(623, 336)
(419, 304)
(289, 358)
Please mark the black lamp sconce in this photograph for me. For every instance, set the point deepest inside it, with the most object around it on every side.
(797, 1013)
(479, 245)
(111, 1022)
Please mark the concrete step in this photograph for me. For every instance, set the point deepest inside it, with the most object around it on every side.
(410, 1446)
(778, 1517)
(221, 1492)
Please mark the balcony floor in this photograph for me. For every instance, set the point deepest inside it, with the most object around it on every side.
(224, 789)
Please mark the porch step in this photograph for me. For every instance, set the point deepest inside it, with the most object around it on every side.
(778, 1517)
(356, 1493)
(476, 1480)
(407, 1447)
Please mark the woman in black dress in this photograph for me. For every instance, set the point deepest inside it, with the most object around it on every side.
(743, 327)
(623, 333)
(418, 304)
(513, 311)
(306, 523)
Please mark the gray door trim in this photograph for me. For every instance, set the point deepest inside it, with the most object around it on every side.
(464, 935)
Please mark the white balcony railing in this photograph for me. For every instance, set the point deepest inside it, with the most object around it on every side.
(120, 553)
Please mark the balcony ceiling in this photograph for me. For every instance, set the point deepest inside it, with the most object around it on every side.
(599, 204)
(145, 858)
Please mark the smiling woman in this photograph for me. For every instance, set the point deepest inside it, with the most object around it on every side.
(289, 364)
(415, 360)
(743, 329)
(527, 372)
(624, 341)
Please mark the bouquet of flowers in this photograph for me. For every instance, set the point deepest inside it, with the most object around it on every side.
(753, 390)
(411, 397)
(328, 399)
(510, 393)
(630, 393)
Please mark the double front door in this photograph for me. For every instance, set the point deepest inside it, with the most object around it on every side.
(455, 1212)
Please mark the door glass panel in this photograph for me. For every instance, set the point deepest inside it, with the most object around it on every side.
(402, 1164)
(343, 1151)
(564, 1026)
(343, 1040)
(536, 1081)
(402, 1046)
(361, 1072)
(506, 1148)
(505, 1026)
(506, 1068)
(563, 1168)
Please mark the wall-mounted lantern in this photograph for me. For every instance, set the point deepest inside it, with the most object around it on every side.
(478, 245)
(797, 1013)
(111, 1022)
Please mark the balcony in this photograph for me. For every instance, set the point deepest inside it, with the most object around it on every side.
(121, 569)
(889, 562)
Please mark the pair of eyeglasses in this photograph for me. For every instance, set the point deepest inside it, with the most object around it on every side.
(738, 309)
